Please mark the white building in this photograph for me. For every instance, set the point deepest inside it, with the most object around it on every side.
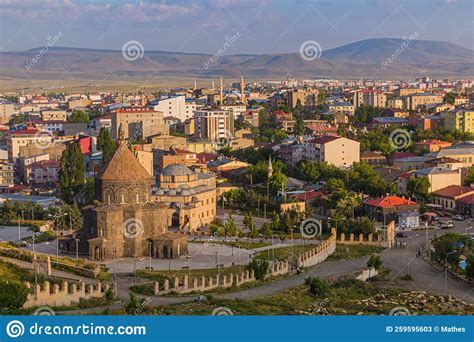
(176, 106)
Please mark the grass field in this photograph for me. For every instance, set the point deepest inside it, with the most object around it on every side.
(353, 252)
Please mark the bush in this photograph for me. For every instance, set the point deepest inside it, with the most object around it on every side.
(259, 267)
(375, 261)
(317, 287)
(12, 295)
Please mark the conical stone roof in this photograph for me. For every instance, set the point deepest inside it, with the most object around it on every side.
(124, 166)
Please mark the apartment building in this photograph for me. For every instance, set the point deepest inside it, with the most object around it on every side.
(7, 174)
(176, 106)
(414, 101)
(26, 137)
(338, 151)
(7, 109)
(342, 107)
(463, 152)
(460, 119)
(138, 123)
(43, 172)
(213, 124)
(53, 115)
(369, 97)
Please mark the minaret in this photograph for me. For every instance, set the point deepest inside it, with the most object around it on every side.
(269, 168)
(212, 84)
(195, 84)
(242, 90)
(221, 93)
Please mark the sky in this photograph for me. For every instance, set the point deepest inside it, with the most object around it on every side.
(252, 26)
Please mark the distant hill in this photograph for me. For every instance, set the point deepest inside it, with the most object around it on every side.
(362, 59)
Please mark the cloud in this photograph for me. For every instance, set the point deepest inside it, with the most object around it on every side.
(67, 9)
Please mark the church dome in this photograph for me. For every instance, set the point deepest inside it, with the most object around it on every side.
(176, 170)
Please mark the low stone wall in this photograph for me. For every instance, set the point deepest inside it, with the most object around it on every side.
(203, 284)
(361, 240)
(66, 296)
(309, 258)
(367, 274)
(318, 254)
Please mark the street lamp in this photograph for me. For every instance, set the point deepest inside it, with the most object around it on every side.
(57, 234)
(446, 272)
(77, 248)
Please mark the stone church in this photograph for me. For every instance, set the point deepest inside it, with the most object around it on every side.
(126, 221)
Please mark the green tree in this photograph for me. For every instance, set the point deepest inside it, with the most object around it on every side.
(375, 261)
(317, 287)
(250, 224)
(134, 305)
(418, 188)
(71, 171)
(470, 177)
(449, 97)
(229, 227)
(259, 267)
(13, 295)
(106, 144)
(277, 180)
(78, 116)
(299, 127)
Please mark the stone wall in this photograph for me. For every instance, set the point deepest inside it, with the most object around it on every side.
(67, 295)
(367, 274)
(318, 254)
(361, 240)
(203, 284)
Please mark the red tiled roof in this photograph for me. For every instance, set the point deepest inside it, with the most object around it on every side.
(205, 157)
(469, 199)
(433, 142)
(309, 195)
(388, 202)
(400, 155)
(26, 131)
(324, 139)
(453, 191)
(45, 163)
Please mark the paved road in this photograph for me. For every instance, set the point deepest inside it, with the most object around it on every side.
(10, 233)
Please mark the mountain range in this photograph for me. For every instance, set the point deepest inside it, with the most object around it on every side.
(378, 58)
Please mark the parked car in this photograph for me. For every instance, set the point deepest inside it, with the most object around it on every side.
(458, 217)
(447, 225)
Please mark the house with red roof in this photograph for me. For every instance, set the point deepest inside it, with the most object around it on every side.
(393, 208)
(450, 196)
(431, 145)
